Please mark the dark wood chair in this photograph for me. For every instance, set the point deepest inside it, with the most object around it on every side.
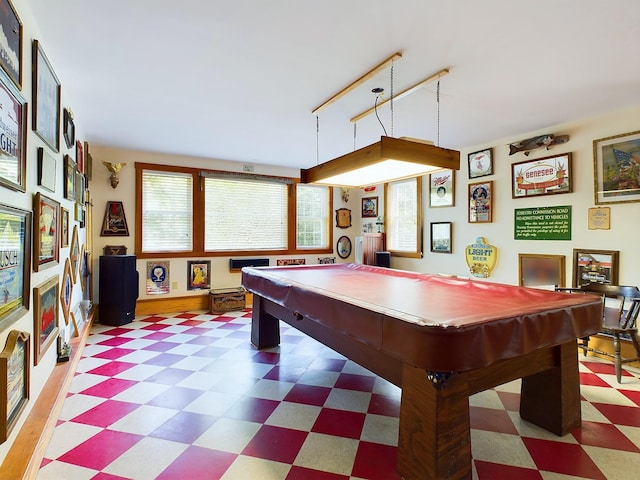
(621, 306)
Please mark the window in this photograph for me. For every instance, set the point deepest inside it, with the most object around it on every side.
(404, 212)
(187, 212)
(312, 216)
(166, 211)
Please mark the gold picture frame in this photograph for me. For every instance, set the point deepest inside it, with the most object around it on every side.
(538, 270)
(14, 377)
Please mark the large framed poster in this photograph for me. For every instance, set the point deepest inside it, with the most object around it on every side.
(13, 151)
(11, 47)
(46, 99)
(15, 276)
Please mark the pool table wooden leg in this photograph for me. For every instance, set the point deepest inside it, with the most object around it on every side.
(265, 328)
(435, 439)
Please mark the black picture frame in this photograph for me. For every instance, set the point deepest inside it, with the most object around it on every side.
(480, 163)
(441, 237)
(11, 51)
(15, 282)
(68, 128)
(198, 274)
(46, 99)
(14, 172)
(343, 246)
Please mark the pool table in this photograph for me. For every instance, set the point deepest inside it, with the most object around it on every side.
(439, 338)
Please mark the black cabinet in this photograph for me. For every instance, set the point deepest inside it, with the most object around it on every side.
(118, 289)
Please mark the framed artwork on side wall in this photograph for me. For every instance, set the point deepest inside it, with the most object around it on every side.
(46, 99)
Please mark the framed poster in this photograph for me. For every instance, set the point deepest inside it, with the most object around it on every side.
(542, 176)
(14, 380)
(343, 218)
(15, 277)
(441, 188)
(74, 253)
(11, 47)
(114, 223)
(480, 202)
(66, 291)
(69, 178)
(535, 270)
(13, 148)
(80, 156)
(46, 170)
(45, 232)
(369, 207)
(616, 163)
(480, 163)
(198, 274)
(45, 317)
(64, 227)
(595, 266)
(158, 278)
(46, 99)
(441, 237)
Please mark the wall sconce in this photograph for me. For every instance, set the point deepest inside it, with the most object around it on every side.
(114, 168)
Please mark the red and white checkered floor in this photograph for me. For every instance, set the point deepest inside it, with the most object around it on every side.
(186, 397)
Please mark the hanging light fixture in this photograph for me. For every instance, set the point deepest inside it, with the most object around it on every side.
(389, 159)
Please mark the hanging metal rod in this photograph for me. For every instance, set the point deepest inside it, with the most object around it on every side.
(404, 93)
(357, 82)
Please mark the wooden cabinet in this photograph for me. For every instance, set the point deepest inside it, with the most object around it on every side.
(371, 243)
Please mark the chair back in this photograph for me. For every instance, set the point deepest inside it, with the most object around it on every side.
(628, 297)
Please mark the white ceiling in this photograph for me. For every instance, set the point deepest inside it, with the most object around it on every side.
(237, 79)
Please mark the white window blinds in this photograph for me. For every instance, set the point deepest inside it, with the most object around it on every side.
(312, 217)
(402, 216)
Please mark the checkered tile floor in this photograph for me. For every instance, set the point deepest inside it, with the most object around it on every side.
(186, 397)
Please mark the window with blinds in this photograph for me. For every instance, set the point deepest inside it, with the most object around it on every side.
(167, 211)
(243, 214)
(403, 216)
(312, 216)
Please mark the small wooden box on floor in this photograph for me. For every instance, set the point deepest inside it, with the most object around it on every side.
(222, 300)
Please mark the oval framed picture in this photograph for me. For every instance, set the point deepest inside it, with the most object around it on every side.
(344, 246)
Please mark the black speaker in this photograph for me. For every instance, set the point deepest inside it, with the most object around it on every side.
(238, 263)
(118, 289)
(382, 259)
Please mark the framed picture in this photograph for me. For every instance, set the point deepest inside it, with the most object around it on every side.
(114, 250)
(11, 47)
(15, 276)
(45, 232)
(616, 163)
(46, 99)
(14, 380)
(480, 163)
(80, 156)
(66, 291)
(343, 246)
(46, 170)
(343, 218)
(88, 162)
(64, 227)
(158, 278)
(80, 187)
(441, 237)
(114, 223)
(69, 178)
(68, 128)
(542, 176)
(535, 270)
(326, 260)
(480, 202)
(74, 254)
(369, 207)
(441, 188)
(198, 271)
(13, 148)
(45, 316)
(595, 266)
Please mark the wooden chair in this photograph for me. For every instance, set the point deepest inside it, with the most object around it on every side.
(621, 306)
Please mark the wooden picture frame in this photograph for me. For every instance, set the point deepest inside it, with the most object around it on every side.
(45, 98)
(46, 170)
(14, 380)
(538, 270)
(88, 162)
(441, 237)
(46, 223)
(542, 176)
(15, 281)
(64, 227)
(442, 188)
(481, 202)
(82, 268)
(80, 187)
(80, 156)
(480, 163)
(595, 266)
(343, 218)
(14, 148)
(369, 207)
(11, 49)
(616, 175)
(198, 274)
(74, 253)
(114, 250)
(114, 223)
(66, 291)
(68, 128)
(45, 316)
(69, 178)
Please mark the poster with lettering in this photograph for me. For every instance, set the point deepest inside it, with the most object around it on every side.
(441, 188)
(543, 176)
(158, 278)
(15, 254)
